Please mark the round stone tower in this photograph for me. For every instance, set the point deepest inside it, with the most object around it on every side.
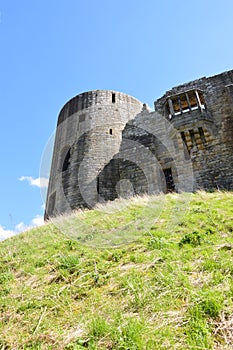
(88, 135)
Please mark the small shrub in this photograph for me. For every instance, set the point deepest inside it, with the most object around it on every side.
(193, 238)
(116, 256)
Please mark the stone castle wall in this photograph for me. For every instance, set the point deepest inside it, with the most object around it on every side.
(88, 134)
(109, 144)
(211, 151)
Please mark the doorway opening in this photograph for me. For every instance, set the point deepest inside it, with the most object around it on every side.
(170, 186)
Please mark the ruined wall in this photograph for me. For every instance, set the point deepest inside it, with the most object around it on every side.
(108, 144)
(207, 129)
(188, 138)
(150, 148)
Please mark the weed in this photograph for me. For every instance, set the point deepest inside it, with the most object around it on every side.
(193, 238)
(156, 243)
(68, 262)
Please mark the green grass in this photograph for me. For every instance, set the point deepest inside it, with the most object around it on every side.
(148, 273)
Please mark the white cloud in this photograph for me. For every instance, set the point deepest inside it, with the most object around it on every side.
(4, 234)
(41, 182)
(38, 220)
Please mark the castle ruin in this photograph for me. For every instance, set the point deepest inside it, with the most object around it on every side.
(110, 145)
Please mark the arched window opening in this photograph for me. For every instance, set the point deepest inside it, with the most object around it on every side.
(66, 161)
(110, 131)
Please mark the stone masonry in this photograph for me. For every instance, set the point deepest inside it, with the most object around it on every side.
(109, 145)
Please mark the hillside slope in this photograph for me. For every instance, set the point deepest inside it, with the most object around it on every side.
(170, 288)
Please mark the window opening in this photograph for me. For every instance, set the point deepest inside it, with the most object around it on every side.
(98, 184)
(183, 138)
(191, 133)
(176, 106)
(110, 131)
(66, 162)
(170, 186)
(113, 98)
(202, 135)
(186, 148)
(193, 100)
(185, 102)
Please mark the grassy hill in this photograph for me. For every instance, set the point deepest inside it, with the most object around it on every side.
(168, 285)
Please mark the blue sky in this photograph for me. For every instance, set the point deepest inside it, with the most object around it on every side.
(52, 50)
